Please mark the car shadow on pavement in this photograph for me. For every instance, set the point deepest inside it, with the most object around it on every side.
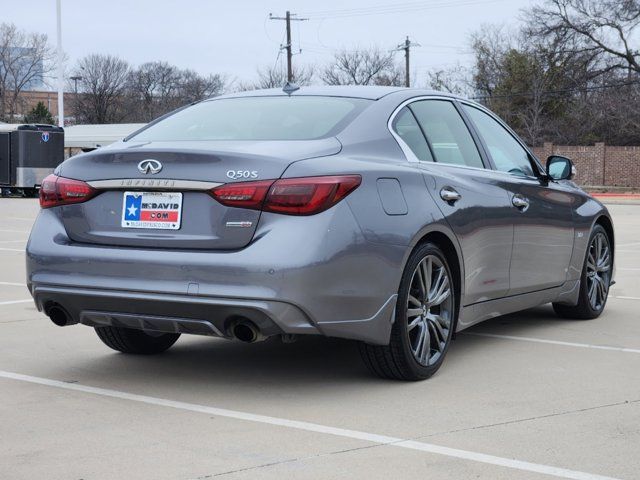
(310, 361)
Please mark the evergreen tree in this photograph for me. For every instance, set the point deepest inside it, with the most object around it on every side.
(39, 114)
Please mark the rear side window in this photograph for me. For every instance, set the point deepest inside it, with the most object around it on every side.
(257, 118)
(507, 154)
(407, 128)
(447, 133)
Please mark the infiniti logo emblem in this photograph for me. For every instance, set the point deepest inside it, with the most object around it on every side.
(149, 166)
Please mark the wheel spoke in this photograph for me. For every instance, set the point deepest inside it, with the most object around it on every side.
(426, 345)
(602, 290)
(414, 301)
(592, 293)
(413, 312)
(427, 271)
(421, 286)
(441, 337)
(414, 323)
(440, 320)
(442, 293)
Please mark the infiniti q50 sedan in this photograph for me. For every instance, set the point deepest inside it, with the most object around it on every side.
(390, 216)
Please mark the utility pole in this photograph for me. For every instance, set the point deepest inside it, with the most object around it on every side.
(406, 46)
(288, 18)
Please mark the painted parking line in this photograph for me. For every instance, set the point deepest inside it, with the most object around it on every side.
(13, 241)
(627, 244)
(626, 269)
(317, 428)
(2, 249)
(13, 284)
(554, 342)
(13, 231)
(623, 297)
(13, 302)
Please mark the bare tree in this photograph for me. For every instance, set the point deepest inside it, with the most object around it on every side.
(453, 79)
(607, 27)
(275, 77)
(154, 87)
(102, 89)
(24, 60)
(362, 67)
(193, 87)
(489, 45)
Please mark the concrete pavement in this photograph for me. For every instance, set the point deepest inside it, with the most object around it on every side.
(530, 400)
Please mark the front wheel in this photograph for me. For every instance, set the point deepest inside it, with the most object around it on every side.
(128, 340)
(594, 281)
(424, 320)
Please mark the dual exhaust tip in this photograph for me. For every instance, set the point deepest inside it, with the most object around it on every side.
(243, 330)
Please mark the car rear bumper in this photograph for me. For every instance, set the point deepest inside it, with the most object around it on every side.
(296, 277)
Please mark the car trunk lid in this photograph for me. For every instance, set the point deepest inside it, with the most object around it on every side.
(177, 194)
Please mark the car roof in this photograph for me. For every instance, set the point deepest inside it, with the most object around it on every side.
(354, 91)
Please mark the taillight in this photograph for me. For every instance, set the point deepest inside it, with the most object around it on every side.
(291, 196)
(55, 191)
(242, 194)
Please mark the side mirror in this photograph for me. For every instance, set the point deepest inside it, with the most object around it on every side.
(560, 168)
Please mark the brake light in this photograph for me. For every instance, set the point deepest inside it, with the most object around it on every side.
(243, 194)
(291, 196)
(56, 191)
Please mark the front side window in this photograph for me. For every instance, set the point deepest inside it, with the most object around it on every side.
(407, 128)
(257, 118)
(507, 154)
(447, 133)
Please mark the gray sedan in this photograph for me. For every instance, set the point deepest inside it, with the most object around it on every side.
(390, 216)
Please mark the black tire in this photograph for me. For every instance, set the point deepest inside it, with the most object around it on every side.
(397, 360)
(585, 309)
(128, 340)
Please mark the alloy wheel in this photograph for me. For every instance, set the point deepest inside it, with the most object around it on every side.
(598, 270)
(429, 310)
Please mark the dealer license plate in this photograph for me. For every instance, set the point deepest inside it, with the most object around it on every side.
(159, 210)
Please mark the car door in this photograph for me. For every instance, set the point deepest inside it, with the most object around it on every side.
(470, 196)
(543, 226)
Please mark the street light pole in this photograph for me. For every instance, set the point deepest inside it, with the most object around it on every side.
(75, 83)
(60, 66)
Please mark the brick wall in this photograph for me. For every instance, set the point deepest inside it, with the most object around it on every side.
(599, 164)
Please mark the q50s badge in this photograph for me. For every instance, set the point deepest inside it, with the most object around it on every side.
(235, 174)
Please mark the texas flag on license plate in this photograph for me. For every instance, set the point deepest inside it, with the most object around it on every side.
(159, 210)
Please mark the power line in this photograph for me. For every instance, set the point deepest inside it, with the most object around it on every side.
(395, 8)
(288, 18)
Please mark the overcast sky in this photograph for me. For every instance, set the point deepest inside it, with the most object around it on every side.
(234, 37)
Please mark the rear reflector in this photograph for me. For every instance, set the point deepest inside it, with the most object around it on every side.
(56, 191)
(291, 196)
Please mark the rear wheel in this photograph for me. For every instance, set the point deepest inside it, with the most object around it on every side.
(595, 279)
(424, 320)
(128, 340)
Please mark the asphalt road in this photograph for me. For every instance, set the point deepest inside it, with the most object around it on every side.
(525, 396)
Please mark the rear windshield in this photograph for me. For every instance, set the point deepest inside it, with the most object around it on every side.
(257, 118)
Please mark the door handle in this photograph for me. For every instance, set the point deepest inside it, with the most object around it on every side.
(520, 202)
(449, 195)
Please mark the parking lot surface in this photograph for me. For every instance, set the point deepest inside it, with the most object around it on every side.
(526, 396)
